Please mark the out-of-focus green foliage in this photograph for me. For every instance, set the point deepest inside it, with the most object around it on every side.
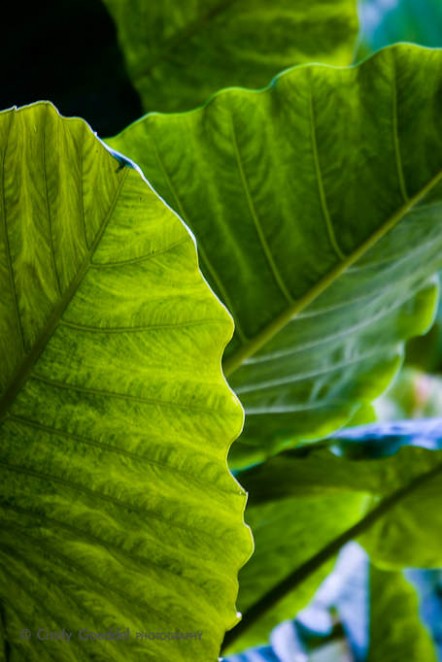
(389, 501)
(385, 22)
(396, 633)
(414, 394)
(288, 531)
(178, 53)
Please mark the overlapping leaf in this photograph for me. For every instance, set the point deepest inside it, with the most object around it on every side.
(178, 53)
(361, 603)
(389, 504)
(316, 204)
(117, 508)
(288, 531)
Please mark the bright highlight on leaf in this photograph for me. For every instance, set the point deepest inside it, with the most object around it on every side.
(316, 204)
(118, 510)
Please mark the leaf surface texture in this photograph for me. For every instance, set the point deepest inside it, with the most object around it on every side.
(179, 53)
(316, 204)
(115, 415)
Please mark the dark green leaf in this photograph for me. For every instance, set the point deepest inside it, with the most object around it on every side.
(316, 204)
(178, 53)
(288, 532)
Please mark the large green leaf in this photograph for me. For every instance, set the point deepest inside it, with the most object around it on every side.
(390, 505)
(178, 53)
(316, 204)
(115, 416)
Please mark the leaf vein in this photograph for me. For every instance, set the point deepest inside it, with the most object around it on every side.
(48, 206)
(34, 599)
(142, 258)
(396, 143)
(137, 329)
(257, 223)
(185, 34)
(96, 494)
(200, 249)
(237, 358)
(320, 182)
(301, 377)
(27, 365)
(337, 336)
(118, 450)
(140, 560)
(280, 409)
(118, 396)
(93, 583)
(7, 243)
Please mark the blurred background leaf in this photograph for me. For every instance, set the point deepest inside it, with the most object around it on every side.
(307, 503)
(385, 22)
(179, 53)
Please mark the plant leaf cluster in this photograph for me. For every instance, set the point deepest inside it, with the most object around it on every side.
(312, 208)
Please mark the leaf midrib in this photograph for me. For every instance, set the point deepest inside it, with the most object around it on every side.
(25, 367)
(253, 345)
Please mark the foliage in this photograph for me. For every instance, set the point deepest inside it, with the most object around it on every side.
(315, 204)
(178, 54)
(315, 267)
(353, 609)
(382, 502)
(115, 415)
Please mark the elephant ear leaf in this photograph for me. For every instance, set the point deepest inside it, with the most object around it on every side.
(115, 415)
(178, 53)
(316, 204)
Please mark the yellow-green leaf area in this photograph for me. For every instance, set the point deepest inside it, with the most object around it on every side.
(118, 512)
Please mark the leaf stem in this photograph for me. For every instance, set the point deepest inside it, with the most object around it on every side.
(268, 332)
